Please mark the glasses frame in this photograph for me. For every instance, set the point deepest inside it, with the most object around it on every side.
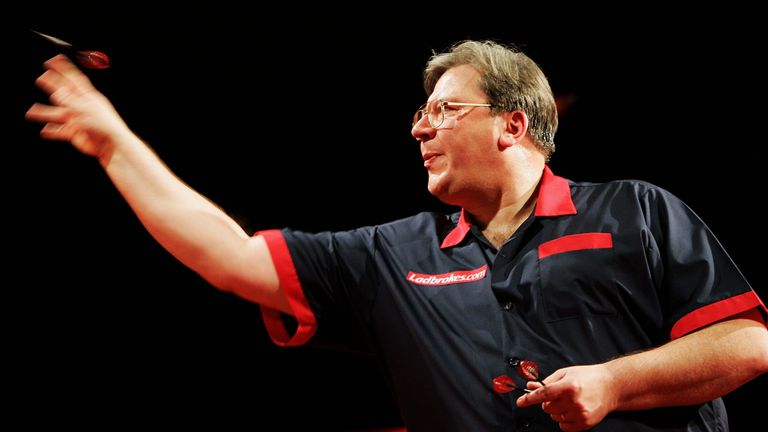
(423, 111)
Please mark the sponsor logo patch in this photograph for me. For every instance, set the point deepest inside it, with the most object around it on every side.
(454, 277)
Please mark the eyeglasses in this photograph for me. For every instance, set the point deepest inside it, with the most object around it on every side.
(435, 111)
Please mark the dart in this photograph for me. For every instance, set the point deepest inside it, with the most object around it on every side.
(504, 384)
(529, 370)
(85, 58)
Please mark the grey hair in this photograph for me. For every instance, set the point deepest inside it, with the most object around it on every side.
(512, 81)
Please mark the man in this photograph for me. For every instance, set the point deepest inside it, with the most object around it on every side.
(613, 302)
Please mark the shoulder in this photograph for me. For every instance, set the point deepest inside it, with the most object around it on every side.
(632, 189)
(630, 199)
(638, 187)
(419, 225)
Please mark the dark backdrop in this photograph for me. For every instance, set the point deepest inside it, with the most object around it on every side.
(308, 127)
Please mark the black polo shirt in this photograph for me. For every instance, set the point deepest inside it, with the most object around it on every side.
(597, 271)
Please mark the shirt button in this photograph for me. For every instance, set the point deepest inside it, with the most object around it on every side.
(513, 362)
(507, 306)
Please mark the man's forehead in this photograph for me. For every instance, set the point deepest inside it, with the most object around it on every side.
(459, 81)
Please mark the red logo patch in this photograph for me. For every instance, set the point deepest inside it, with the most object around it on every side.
(459, 276)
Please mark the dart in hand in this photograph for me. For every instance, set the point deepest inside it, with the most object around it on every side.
(85, 58)
(529, 371)
(505, 384)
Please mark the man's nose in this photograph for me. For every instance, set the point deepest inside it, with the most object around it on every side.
(422, 130)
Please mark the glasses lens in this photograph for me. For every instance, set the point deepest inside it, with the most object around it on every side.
(435, 110)
(419, 114)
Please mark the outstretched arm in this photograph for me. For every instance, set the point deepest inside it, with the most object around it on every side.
(695, 368)
(188, 225)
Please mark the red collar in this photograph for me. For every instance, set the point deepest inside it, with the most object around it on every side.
(554, 199)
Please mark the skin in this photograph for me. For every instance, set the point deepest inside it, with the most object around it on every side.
(489, 166)
(190, 227)
(494, 176)
(692, 369)
(485, 163)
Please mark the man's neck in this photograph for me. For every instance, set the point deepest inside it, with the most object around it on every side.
(506, 222)
(501, 218)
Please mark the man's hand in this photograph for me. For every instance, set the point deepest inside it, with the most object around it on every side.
(78, 112)
(577, 397)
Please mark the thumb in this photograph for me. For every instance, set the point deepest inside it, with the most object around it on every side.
(555, 376)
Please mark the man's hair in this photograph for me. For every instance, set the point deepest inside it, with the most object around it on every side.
(512, 81)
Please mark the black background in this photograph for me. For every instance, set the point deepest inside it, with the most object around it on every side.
(308, 127)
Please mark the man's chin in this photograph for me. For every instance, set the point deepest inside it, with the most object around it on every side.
(433, 186)
(439, 190)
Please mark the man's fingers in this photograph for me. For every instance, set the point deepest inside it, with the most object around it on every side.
(55, 131)
(55, 119)
(556, 376)
(69, 71)
(58, 87)
(533, 385)
(554, 407)
(548, 393)
(36, 112)
(50, 81)
(540, 395)
(46, 113)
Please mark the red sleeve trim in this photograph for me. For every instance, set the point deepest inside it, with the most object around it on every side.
(711, 313)
(289, 282)
(575, 242)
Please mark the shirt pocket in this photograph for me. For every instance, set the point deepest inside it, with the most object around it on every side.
(577, 276)
(575, 242)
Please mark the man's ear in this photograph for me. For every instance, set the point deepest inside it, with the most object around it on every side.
(515, 128)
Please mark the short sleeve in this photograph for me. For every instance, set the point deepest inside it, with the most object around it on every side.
(700, 284)
(328, 279)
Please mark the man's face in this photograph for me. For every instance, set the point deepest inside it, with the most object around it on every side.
(462, 152)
